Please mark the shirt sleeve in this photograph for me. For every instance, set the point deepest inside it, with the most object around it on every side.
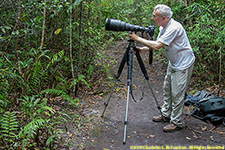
(168, 36)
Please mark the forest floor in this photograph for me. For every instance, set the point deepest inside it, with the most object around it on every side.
(90, 131)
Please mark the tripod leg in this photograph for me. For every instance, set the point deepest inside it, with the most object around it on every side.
(126, 116)
(150, 56)
(107, 102)
(116, 78)
(129, 82)
(157, 104)
(125, 56)
(142, 66)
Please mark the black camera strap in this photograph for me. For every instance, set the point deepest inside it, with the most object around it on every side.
(132, 95)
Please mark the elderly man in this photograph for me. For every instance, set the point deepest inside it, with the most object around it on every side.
(179, 53)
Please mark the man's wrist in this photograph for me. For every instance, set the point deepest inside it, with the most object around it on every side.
(139, 39)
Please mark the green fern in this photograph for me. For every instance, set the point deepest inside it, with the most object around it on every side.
(8, 128)
(82, 79)
(19, 82)
(62, 94)
(34, 82)
(3, 103)
(34, 106)
(30, 129)
(62, 118)
(55, 58)
(38, 119)
(28, 132)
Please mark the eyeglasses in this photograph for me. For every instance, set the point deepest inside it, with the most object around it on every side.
(154, 16)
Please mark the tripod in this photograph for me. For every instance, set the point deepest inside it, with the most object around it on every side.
(128, 57)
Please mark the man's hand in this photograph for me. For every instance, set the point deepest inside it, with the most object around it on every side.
(142, 49)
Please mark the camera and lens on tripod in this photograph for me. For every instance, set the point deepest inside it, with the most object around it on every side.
(117, 25)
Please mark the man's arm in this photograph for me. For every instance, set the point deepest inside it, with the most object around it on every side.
(149, 43)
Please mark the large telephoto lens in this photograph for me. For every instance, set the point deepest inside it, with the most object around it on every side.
(117, 25)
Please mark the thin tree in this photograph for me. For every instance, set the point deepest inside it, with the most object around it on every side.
(43, 26)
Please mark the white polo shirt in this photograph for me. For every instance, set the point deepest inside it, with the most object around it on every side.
(178, 48)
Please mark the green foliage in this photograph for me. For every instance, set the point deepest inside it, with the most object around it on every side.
(3, 103)
(207, 38)
(8, 129)
(35, 110)
(29, 130)
(62, 94)
(39, 118)
(55, 58)
(54, 135)
(33, 106)
(4, 86)
(82, 77)
(31, 73)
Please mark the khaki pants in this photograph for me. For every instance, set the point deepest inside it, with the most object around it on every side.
(175, 86)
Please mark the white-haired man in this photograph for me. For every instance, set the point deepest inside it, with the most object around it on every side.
(181, 58)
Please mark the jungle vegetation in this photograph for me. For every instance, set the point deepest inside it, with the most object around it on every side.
(52, 48)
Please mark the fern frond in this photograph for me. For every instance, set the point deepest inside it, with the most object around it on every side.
(60, 93)
(55, 58)
(3, 103)
(30, 129)
(33, 105)
(8, 127)
(53, 137)
(52, 91)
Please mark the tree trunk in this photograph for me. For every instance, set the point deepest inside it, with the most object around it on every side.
(43, 26)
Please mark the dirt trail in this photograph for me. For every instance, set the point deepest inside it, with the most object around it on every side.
(141, 130)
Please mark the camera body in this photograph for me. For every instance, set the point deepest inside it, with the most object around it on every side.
(117, 25)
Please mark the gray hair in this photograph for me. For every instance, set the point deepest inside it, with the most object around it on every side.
(164, 10)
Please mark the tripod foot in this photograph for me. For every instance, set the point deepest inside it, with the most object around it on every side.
(124, 143)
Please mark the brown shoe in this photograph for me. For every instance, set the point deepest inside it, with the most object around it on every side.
(160, 118)
(171, 128)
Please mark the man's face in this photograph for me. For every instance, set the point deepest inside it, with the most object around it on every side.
(157, 18)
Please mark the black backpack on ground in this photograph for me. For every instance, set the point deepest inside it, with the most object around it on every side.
(207, 107)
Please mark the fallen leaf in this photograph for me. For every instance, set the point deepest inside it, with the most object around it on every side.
(204, 128)
(69, 134)
(134, 87)
(211, 138)
(188, 138)
(151, 136)
(58, 31)
(194, 135)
